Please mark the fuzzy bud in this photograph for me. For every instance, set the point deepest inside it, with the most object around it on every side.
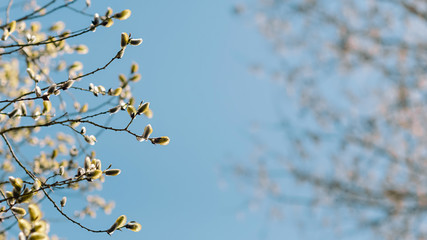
(51, 89)
(124, 40)
(147, 131)
(95, 174)
(18, 210)
(67, 84)
(123, 15)
(38, 91)
(134, 226)
(63, 201)
(160, 140)
(132, 111)
(143, 108)
(34, 211)
(112, 172)
(136, 41)
(115, 109)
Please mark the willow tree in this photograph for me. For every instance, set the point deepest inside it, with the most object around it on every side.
(46, 125)
(352, 111)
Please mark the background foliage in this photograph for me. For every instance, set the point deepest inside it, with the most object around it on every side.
(351, 102)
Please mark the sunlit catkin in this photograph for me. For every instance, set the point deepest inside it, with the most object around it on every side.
(18, 210)
(132, 111)
(121, 221)
(135, 41)
(63, 201)
(95, 174)
(37, 236)
(143, 108)
(147, 132)
(134, 226)
(34, 212)
(112, 172)
(134, 68)
(24, 225)
(124, 40)
(123, 15)
(160, 140)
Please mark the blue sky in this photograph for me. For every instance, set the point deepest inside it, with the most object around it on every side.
(194, 72)
(194, 62)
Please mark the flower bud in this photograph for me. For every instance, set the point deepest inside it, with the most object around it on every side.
(24, 225)
(160, 140)
(38, 91)
(9, 196)
(83, 130)
(101, 89)
(148, 113)
(81, 49)
(87, 163)
(132, 111)
(5, 35)
(34, 211)
(26, 196)
(74, 151)
(112, 172)
(57, 27)
(31, 73)
(11, 26)
(16, 183)
(123, 15)
(76, 66)
(122, 78)
(124, 40)
(90, 139)
(18, 210)
(115, 109)
(134, 68)
(134, 226)
(30, 38)
(21, 236)
(135, 78)
(147, 131)
(37, 184)
(95, 20)
(108, 12)
(47, 106)
(67, 84)
(95, 174)
(61, 170)
(51, 89)
(98, 164)
(37, 236)
(116, 92)
(80, 172)
(84, 108)
(108, 22)
(121, 221)
(23, 108)
(40, 227)
(143, 108)
(13, 113)
(63, 201)
(136, 41)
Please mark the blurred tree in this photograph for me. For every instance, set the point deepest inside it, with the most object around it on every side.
(352, 111)
(46, 127)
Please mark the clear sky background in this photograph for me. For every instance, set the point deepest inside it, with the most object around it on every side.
(194, 63)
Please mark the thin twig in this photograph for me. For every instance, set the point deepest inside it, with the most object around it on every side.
(8, 11)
